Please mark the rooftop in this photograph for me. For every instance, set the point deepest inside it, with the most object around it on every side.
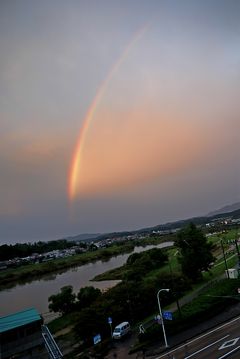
(19, 319)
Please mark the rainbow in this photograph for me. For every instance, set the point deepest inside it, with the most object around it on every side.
(75, 166)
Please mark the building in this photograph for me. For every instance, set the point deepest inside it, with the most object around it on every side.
(21, 336)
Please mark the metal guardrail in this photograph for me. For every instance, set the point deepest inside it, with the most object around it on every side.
(51, 346)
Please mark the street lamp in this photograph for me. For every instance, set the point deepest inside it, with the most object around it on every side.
(160, 312)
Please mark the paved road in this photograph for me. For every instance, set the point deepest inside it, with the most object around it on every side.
(121, 348)
(219, 343)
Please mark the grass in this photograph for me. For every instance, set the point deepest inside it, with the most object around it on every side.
(62, 322)
(173, 266)
(211, 301)
(113, 274)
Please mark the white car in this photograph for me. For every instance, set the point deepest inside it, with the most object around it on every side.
(121, 330)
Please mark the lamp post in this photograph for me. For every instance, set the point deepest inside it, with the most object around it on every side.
(160, 312)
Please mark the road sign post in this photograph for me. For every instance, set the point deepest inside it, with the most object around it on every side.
(110, 323)
(97, 339)
(168, 315)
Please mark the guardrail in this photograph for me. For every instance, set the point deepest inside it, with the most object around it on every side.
(51, 346)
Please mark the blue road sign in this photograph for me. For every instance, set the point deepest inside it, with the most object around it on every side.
(97, 339)
(109, 320)
(168, 315)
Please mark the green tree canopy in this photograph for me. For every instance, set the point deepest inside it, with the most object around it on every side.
(153, 258)
(62, 302)
(87, 295)
(195, 253)
(138, 264)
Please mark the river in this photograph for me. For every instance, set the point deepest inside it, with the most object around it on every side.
(35, 294)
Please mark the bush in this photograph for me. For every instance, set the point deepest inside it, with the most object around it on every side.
(153, 333)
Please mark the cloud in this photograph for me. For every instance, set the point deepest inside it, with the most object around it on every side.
(33, 168)
(124, 149)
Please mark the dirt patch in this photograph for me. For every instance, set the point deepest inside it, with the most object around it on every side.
(63, 331)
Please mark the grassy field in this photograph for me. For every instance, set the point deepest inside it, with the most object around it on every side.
(173, 267)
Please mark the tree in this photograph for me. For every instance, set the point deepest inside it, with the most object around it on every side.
(87, 295)
(62, 302)
(153, 258)
(195, 253)
(90, 321)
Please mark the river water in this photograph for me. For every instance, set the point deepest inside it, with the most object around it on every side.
(35, 294)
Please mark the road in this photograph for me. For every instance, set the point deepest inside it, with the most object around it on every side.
(121, 348)
(219, 343)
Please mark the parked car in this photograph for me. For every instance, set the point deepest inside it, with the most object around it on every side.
(121, 330)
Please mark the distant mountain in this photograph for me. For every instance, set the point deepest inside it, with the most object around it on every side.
(225, 209)
(232, 211)
(86, 237)
(173, 225)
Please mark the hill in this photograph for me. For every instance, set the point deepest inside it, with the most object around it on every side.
(225, 209)
(86, 237)
(170, 226)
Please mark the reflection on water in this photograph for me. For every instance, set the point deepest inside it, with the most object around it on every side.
(35, 293)
(50, 276)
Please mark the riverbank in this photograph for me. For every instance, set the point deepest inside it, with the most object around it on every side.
(20, 275)
(120, 272)
(35, 292)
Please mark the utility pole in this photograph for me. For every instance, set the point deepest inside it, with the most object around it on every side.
(238, 253)
(174, 293)
(225, 261)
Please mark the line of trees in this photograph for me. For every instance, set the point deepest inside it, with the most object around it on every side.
(27, 249)
(66, 301)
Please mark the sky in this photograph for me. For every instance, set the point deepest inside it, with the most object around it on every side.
(116, 114)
